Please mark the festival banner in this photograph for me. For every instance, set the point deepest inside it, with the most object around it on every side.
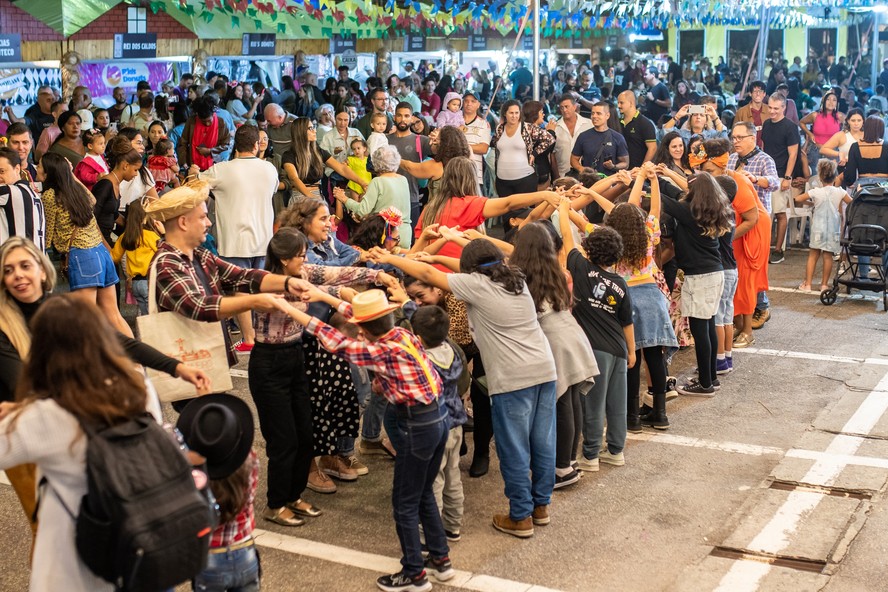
(101, 78)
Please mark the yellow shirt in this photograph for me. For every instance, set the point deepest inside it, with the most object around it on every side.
(138, 261)
(59, 227)
(358, 167)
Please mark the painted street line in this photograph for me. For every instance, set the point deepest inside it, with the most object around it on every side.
(463, 580)
(239, 373)
(775, 536)
(816, 295)
(782, 353)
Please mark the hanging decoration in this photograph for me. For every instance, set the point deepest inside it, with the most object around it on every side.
(559, 19)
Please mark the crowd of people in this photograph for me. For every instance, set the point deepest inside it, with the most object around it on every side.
(453, 261)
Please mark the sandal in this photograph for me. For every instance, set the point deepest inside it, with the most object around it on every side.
(805, 287)
(310, 511)
(276, 517)
(743, 341)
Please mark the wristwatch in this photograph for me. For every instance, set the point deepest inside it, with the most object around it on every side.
(788, 177)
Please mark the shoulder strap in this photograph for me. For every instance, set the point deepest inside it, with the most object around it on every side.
(414, 353)
(419, 147)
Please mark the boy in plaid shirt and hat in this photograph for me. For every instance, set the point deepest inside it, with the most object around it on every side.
(414, 420)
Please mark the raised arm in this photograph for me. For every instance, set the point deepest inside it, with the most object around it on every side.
(504, 205)
(427, 169)
(564, 225)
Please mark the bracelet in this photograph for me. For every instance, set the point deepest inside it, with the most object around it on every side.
(287, 283)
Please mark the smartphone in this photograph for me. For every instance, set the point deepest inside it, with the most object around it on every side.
(696, 109)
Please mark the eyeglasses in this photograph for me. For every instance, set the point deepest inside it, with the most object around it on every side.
(739, 138)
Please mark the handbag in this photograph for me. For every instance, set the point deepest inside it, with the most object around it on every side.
(196, 343)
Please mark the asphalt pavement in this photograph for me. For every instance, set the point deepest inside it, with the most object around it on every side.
(776, 483)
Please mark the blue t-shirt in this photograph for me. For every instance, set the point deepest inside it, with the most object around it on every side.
(611, 145)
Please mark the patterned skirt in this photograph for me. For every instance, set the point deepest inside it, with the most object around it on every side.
(335, 409)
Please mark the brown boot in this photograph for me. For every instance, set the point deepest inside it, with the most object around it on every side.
(541, 515)
(522, 528)
(319, 481)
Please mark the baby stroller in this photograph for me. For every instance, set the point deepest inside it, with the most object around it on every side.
(865, 235)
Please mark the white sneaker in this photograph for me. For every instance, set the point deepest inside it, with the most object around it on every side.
(589, 466)
(617, 460)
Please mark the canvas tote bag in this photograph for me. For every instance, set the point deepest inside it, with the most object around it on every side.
(196, 343)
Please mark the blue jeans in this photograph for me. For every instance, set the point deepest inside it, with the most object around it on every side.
(762, 302)
(231, 571)
(371, 428)
(247, 262)
(524, 432)
(140, 293)
(419, 435)
(606, 399)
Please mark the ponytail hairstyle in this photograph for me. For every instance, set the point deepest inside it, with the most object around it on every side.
(536, 256)
(709, 205)
(483, 257)
(122, 150)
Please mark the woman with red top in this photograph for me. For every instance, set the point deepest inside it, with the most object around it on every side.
(456, 204)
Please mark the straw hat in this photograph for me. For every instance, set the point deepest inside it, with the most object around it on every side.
(370, 305)
(178, 201)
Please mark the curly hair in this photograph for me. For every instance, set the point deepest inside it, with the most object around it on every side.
(629, 221)
(370, 233)
(300, 213)
(604, 246)
(536, 256)
(451, 144)
(709, 205)
(485, 258)
(717, 147)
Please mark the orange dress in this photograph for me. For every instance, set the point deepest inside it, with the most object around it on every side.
(750, 250)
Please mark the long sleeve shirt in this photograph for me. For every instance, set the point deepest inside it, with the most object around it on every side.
(403, 372)
(279, 328)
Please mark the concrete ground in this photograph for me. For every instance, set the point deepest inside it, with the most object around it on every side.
(774, 484)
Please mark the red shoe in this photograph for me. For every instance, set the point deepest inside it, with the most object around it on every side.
(243, 347)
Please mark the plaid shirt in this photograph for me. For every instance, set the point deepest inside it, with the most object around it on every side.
(241, 527)
(401, 376)
(180, 290)
(760, 165)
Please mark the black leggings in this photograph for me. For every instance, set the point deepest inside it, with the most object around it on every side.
(705, 342)
(656, 364)
(481, 414)
(568, 426)
(527, 184)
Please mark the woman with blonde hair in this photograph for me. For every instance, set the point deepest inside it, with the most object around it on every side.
(28, 279)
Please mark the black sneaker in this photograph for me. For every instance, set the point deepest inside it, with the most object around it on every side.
(441, 569)
(716, 384)
(634, 426)
(776, 257)
(401, 581)
(452, 535)
(694, 389)
(566, 480)
(658, 421)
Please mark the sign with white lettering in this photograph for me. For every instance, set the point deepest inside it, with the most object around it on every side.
(133, 45)
(10, 48)
(577, 43)
(258, 44)
(527, 42)
(414, 43)
(341, 43)
(477, 43)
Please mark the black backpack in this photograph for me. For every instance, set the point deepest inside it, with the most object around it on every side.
(143, 525)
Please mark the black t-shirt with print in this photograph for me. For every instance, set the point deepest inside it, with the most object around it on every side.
(602, 307)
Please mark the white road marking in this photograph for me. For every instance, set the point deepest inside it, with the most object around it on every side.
(855, 295)
(463, 580)
(690, 442)
(782, 353)
(775, 535)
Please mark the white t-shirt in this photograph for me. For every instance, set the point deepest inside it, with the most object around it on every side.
(511, 164)
(478, 132)
(130, 191)
(243, 189)
(375, 142)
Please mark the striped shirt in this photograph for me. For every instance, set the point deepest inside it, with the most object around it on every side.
(21, 214)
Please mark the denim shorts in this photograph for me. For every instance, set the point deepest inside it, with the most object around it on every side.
(91, 268)
(725, 314)
(700, 294)
(650, 317)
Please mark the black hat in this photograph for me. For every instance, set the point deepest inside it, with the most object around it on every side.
(220, 428)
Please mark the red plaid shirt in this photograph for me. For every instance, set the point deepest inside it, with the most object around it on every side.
(404, 374)
(243, 524)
